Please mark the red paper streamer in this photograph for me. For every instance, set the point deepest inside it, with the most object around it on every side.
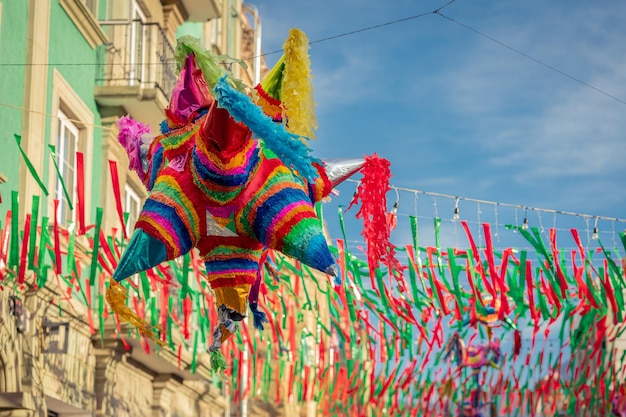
(57, 240)
(118, 196)
(24, 254)
(80, 191)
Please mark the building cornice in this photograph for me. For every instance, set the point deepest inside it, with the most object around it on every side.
(85, 22)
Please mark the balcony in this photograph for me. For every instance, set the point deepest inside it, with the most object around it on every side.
(136, 71)
(197, 10)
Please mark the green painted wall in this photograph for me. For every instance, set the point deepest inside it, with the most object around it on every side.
(13, 28)
(190, 28)
(81, 77)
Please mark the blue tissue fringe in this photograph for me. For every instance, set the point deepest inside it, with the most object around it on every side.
(259, 316)
(294, 153)
(164, 127)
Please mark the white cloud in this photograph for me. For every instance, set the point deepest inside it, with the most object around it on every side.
(532, 119)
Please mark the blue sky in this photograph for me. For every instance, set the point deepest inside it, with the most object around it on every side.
(459, 114)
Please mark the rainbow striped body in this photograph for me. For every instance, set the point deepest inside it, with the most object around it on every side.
(249, 191)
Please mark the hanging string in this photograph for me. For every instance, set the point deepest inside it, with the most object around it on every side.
(587, 232)
(456, 219)
(482, 201)
(541, 228)
(480, 235)
(497, 231)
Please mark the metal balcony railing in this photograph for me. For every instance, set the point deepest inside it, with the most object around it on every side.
(139, 54)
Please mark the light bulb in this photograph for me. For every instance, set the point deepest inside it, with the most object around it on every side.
(456, 214)
(525, 224)
(595, 236)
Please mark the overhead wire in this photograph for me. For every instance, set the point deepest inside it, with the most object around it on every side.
(525, 55)
(344, 34)
(76, 121)
(365, 29)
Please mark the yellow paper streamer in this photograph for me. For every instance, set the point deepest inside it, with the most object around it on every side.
(297, 86)
(116, 296)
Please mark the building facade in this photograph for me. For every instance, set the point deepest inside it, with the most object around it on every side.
(71, 68)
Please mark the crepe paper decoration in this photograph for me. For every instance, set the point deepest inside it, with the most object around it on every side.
(4, 244)
(472, 356)
(117, 194)
(477, 262)
(209, 64)
(506, 388)
(96, 247)
(70, 259)
(132, 136)
(42, 268)
(57, 241)
(297, 86)
(29, 165)
(80, 192)
(23, 259)
(14, 236)
(372, 192)
(32, 238)
(60, 179)
(267, 210)
(294, 153)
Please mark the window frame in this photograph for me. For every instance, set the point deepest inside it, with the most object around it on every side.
(66, 162)
(67, 101)
(130, 194)
(137, 53)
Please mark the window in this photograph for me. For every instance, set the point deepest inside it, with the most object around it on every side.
(132, 206)
(118, 10)
(216, 35)
(66, 146)
(71, 131)
(137, 45)
(233, 28)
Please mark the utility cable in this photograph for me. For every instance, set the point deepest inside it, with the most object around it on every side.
(517, 51)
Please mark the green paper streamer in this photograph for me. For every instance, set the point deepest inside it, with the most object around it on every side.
(195, 353)
(101, 316)
(30, 166)
(14, 256)
(437, 225)
(543, 306)
(307, 305)
(60, 177)
(42, 268)
(455, 270)
(154, 314)
(70, 261)
(33, 233)
(96, 247)
(184, 277)
(145, 285)
(218, 363)
(170, 308)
